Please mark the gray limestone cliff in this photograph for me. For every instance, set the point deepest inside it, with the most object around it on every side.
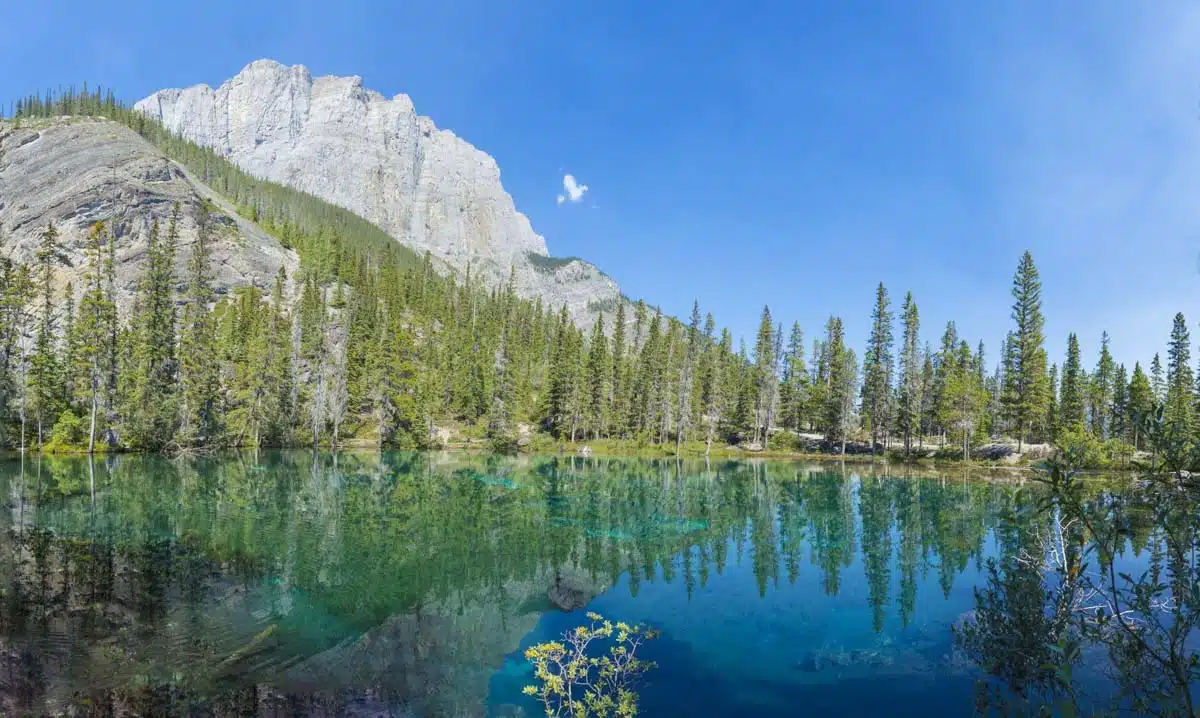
(76, 171)
(378, 158)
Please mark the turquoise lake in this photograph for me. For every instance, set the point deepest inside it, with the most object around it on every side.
(293, 583)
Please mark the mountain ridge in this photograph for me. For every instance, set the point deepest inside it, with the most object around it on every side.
(74, 171)
(349, 145)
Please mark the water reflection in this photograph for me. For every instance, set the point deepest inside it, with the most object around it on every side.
(300, 584)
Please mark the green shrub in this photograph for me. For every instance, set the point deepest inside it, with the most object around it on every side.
(68, 434)
(783, 441)
(1090, 452)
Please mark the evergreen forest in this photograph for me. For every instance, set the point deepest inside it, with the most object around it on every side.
(376, 346)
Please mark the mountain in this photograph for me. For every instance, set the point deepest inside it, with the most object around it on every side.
(349, 145)
(75, 171)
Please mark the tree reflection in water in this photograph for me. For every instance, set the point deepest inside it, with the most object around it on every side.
(1100, 581)
(300, 584)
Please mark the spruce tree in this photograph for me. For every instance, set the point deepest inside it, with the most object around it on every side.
(687, 376)
(1100, 395)
(557, 412)
(1052, 423)
(1118, 424)
(795, 382)
(15, 319)
(1140, 404)
(619, 401)
(843, 372)
(965, 396)
(197, 354)
(764, 375)
(1158, 385)
(877, 369)
(909, 405)
(46, 377)
(1025, 391)
(1071, 405)
(945, 364)
(1177, 411)
(721, 363)
(597, 381)
(149, 416)
(500, 423)
(91, 329)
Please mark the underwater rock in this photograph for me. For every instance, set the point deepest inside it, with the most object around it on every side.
(567, 597)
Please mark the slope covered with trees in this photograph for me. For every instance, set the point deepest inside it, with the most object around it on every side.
(379, 345)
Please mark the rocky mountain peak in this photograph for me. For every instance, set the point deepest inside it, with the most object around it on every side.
(351, 146)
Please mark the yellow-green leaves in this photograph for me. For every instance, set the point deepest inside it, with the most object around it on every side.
(573, 683)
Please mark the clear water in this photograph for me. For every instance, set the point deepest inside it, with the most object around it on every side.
(402, 584)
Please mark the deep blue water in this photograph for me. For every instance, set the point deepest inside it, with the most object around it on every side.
(401, 584)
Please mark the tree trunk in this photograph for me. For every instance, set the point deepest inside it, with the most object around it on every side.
(92, 428)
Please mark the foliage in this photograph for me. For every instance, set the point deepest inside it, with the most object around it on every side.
(1058, 588)
(1088, 451)
(570, 682)
(372, 341)
(68, 434)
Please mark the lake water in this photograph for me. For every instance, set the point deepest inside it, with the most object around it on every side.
(404, 584)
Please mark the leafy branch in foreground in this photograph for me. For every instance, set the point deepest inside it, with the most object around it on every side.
(1060, 587)
(572, 683)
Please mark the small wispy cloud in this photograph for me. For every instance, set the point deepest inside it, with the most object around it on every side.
(574, 190)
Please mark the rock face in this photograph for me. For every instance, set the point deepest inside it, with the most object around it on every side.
(351, 146)
(76, 171)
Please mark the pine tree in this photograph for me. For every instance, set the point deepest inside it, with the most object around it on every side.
(149, 416)
(1157, 384)
(721, 363)
(1071, 405)
(945, 363)
(1118, 424)
(764, 375)
(1140, 404)
(15, 319)
(687, 376)
(843, 374)
(619, 401)
(313, 320)
(46, 378)
(558, 409)
(1100, 395)
(1177, 411)
(911, 389)
(1052, 418)
(795, 382)
(198, 378)
(929, 378)
(1025, 390)
(91, 331)
(597, 380)
(500, 428)
(965, 396)
(278, 401)
(337, 396)
(877, 369)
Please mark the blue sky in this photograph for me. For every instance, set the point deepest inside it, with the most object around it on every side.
(742, 153)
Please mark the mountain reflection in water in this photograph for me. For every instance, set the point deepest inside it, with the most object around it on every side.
(294, 583)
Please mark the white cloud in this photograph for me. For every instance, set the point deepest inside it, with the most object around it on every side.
(575, 191)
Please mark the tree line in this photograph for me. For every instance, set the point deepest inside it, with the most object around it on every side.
(378, 346)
